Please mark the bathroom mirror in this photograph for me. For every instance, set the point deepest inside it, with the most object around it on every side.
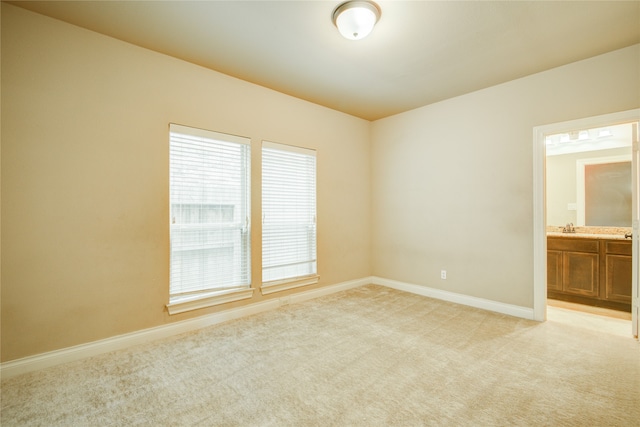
(588, 177)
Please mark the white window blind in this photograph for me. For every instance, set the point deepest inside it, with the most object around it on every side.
(209, 197)
(288, 212)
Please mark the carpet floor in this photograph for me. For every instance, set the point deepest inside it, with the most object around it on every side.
(370, 356)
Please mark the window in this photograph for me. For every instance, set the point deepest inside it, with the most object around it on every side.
(209, 222)
(288, 217)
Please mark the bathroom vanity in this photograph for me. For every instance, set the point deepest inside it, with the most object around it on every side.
(593, 269)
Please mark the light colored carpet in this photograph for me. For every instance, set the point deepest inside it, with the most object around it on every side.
(370, 356)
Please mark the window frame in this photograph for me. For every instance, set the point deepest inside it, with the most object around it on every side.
(295, 281)
(240, 286)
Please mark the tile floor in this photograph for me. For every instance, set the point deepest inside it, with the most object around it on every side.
(602, 319)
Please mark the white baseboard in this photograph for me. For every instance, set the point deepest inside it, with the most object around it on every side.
(82, 351)
(498, 307)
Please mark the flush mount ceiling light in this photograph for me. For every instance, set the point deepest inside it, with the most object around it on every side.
(355, 19)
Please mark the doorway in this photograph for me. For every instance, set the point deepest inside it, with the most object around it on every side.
(572, 128)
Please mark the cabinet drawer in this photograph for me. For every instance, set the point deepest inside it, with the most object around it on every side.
(618, 247)
(573, 245)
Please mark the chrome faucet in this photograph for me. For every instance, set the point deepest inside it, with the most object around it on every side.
(569, 228)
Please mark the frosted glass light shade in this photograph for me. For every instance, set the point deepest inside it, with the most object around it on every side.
(355, 19)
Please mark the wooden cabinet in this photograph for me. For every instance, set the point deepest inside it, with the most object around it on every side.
(618, 272)
(580, 273)
(590, 271)
(573, 266)
(554, 270)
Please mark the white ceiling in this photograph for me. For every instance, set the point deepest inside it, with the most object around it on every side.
(420, 52)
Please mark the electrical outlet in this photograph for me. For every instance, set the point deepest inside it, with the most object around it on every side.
(443, 274)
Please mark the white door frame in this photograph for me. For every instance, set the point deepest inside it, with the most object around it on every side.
(539, 196)
(635, 265)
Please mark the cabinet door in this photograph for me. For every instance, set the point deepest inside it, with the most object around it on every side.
(580, 273)
(554, 270)
(618, 278)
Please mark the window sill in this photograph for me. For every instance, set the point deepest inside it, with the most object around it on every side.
(283, 285)
(180, 305)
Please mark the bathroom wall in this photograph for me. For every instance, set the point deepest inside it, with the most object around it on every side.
(562, 186)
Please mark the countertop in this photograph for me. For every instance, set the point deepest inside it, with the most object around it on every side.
(610, 233)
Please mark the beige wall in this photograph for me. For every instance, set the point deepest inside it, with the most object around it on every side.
(85, 240)
(453, 181)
